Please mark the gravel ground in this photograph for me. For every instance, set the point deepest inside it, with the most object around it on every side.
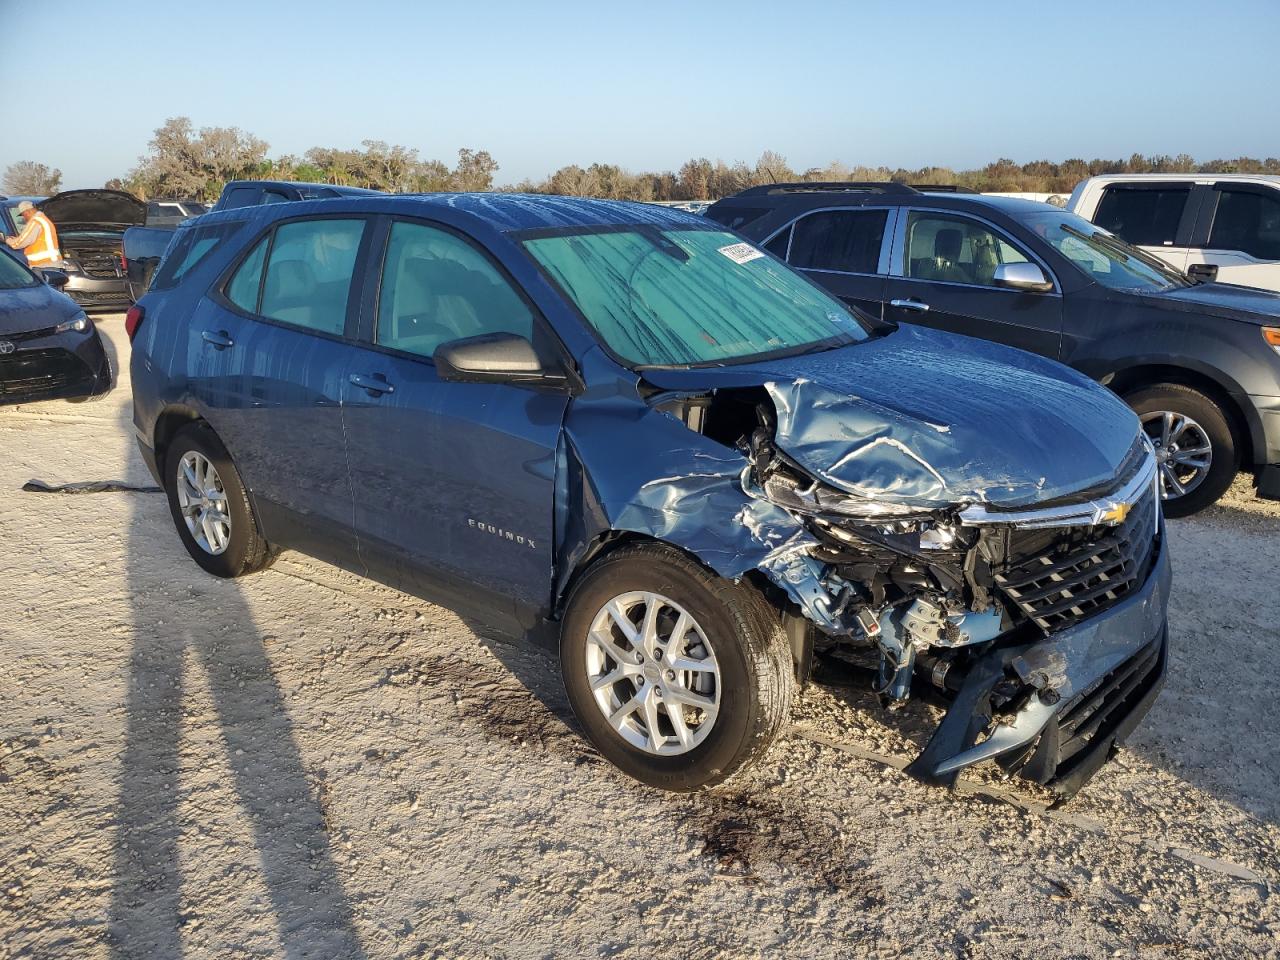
(306, 764)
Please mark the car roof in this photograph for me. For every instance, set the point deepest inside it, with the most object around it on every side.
(504, 212)
(802, 200)
(1198, 177)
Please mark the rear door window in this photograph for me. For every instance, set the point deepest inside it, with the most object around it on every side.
(1248, 221)
(308, 277)
(301, 275)
(1148, 217)
(845, 240)
(436, 287)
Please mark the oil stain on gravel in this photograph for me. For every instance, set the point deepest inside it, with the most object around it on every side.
(742, 831)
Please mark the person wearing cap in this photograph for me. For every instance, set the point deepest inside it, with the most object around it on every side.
(38, 238)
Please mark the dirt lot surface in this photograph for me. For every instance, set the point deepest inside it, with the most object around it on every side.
(306, 764)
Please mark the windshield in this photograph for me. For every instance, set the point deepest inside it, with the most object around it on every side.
(689, 296)
(1103, 256)
(13, 275)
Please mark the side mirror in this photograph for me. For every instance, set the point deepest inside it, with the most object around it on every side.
(55, 278)
(1022, 276)
(493, 357)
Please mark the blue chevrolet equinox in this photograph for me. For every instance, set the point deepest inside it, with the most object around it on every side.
(627, 430)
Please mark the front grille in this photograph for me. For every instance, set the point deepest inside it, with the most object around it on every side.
(106, 267)
(86, 296)
(32, 373)
(1060, 577)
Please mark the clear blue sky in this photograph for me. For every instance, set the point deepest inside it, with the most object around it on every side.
(647, 84)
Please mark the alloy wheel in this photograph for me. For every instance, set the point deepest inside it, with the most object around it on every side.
(1184, 452)
(203, 502)
(653, 673)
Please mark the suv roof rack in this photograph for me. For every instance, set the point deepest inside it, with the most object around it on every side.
(836, 186)
(941, 188)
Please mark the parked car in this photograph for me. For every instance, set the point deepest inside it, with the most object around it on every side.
(620, 428)
(144, 246)
(49, 348)
(173, 212)
(251, 193)
(90, 226)
(1199, 363)
(1223, 227)
(11, 219)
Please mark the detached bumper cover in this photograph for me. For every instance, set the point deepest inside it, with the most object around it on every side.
(1104, 674)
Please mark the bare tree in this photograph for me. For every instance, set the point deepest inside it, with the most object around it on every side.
(28, 178)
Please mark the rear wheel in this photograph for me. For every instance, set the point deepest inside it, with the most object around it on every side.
(1195, 447)
(210, 506)
(679, 678)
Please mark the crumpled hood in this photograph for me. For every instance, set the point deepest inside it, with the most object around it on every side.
(935, 419)
(34, 308)
(1226, 300)
(83, 209)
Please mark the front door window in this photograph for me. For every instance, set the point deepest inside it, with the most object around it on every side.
(955, 250)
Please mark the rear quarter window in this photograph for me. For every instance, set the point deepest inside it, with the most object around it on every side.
(189, 250)
(735, 218)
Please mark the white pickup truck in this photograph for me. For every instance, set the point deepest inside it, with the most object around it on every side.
(1223, 227)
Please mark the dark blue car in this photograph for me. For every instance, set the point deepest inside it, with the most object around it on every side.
(704, 474)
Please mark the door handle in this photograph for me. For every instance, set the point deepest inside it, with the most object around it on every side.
(375, 383)
(915, 306)
(219, 338)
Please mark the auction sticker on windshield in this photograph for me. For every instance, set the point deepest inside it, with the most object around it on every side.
(741, 252)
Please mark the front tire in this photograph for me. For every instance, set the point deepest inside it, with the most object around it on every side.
(678, 677)
(210, 506)
(1195, 445)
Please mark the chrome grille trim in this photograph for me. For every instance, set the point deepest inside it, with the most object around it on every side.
(1104, 511)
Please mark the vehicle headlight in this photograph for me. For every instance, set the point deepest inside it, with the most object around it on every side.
(76, 323)
(1272, 336)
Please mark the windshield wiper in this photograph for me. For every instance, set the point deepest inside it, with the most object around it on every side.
(1111, 246)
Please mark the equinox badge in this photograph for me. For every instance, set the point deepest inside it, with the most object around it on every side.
(499, 532)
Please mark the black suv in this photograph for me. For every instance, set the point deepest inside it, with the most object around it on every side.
(1198, 362)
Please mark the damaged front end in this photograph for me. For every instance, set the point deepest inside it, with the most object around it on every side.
(1034, 609)
(982, 606)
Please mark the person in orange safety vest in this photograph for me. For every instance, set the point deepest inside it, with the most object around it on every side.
(38, 238)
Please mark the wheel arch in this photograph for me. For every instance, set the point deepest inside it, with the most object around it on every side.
(798, 629)
(1246, 429)
(171, 419)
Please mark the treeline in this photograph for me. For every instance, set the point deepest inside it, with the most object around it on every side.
(704, 179)
(185, 162)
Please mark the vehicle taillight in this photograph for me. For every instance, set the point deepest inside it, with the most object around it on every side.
(133, 320)
(124, 264)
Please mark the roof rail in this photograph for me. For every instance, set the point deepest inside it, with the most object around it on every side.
(837, 186)
(940, 188)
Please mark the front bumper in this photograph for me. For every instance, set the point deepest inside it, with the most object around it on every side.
(1268, 456)
(94, 293)
(1104, 674)
(64, 366)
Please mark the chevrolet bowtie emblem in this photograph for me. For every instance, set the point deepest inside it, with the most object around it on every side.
(1116, 514)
